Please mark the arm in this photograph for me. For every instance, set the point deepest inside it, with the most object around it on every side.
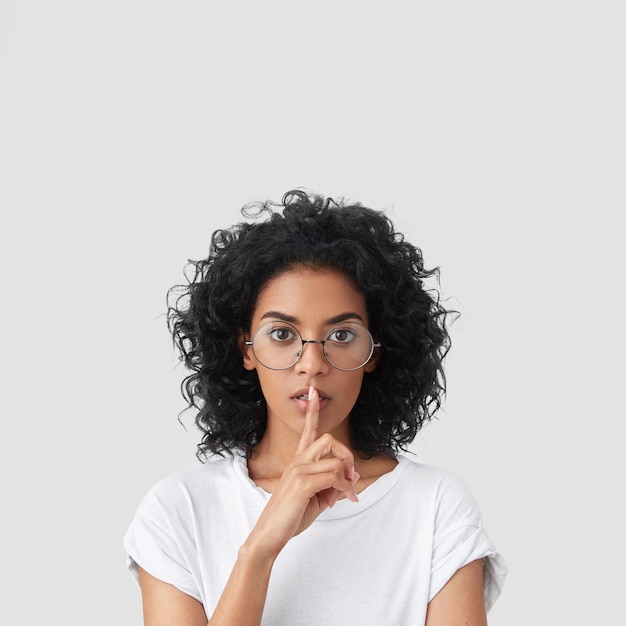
(461, 602)
(165, 605)
(242, 601)
(321, 470)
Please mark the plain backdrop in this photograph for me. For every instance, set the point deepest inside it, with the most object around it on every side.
(491, 132)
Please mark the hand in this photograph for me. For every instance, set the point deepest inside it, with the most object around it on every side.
(321, 470)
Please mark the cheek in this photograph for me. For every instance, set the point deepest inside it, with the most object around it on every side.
(272, 384)
(353, 387)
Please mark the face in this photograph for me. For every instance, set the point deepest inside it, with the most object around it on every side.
(314, 301)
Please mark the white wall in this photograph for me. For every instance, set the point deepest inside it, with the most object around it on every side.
(494, 135)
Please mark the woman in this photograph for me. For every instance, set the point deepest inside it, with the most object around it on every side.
(315, 353)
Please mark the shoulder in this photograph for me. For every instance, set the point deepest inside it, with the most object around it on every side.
(440, 489)
(457, 530)
(429, 476)
(177, 503)
(189, 483)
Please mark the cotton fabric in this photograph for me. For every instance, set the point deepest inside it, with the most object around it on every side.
(378, 561)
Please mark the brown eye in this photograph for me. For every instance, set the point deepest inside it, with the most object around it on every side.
(281, 334)
(341, 335)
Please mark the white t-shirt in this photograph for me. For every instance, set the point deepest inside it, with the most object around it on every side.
(378, 561)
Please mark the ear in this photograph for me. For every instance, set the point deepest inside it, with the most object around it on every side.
(249, 362)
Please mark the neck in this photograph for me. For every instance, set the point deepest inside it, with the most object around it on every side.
(277, 449)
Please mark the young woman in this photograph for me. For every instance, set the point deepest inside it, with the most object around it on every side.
(315, 354)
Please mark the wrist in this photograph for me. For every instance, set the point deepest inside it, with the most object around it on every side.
(257, 553)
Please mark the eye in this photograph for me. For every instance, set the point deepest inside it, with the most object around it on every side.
(282, 334)
(341, 335)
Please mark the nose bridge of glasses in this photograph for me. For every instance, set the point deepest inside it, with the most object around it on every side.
(303, 342)
(320, 341)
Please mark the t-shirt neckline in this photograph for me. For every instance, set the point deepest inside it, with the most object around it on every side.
(343, 508)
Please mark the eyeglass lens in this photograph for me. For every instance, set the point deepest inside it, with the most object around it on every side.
(278, 345)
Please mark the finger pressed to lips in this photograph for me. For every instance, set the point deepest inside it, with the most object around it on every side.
(305, 394)
(326, 448)
(311, 421)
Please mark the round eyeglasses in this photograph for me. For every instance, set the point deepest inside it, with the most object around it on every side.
(279, 346)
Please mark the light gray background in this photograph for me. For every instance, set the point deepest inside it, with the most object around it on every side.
(492, 132)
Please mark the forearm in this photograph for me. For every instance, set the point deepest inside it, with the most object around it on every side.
(322, 469)
(243, 599)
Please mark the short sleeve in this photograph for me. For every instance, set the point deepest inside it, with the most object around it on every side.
(151, 543)
(460, 538)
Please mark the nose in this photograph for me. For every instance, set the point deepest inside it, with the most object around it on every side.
(312, 360)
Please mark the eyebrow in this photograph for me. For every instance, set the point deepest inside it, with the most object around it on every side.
(342, 317)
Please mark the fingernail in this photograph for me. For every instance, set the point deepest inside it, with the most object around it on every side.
(311, 390)
(355, 477)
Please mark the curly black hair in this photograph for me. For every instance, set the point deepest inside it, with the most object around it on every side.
(206, 317)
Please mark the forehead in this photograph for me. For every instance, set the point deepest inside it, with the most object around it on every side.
(311, 294)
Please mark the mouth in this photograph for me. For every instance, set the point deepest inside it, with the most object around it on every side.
(302, 395)
(302, 400)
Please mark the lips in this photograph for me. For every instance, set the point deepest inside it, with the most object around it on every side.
(301, 398)
(303, 394)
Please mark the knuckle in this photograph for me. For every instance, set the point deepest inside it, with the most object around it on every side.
(327, 439)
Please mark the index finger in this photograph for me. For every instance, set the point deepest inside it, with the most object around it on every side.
(311, 421)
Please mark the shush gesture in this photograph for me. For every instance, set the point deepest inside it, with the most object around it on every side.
(303, 358)
(321, 471)
(330, 462)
